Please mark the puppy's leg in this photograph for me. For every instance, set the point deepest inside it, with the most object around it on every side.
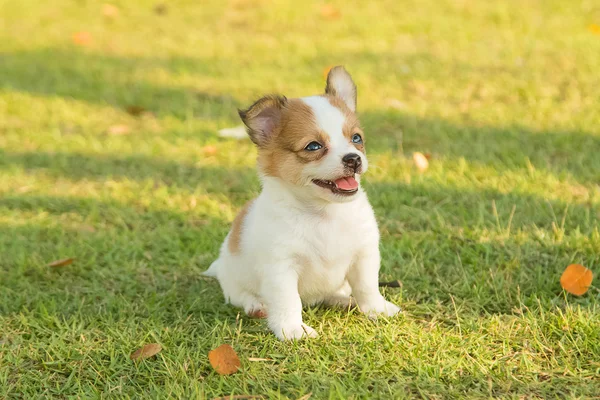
(364, 280)
(279, 291)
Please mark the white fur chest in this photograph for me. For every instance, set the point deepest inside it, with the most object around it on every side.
(327, 244)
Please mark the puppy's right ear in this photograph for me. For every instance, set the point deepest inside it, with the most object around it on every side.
(263, 118)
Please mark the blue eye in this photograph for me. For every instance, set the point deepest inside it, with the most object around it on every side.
(357, 138)
(313, 146)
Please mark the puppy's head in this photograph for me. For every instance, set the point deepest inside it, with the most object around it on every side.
(313, 143)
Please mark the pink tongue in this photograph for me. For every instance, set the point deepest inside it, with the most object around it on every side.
(348, 183)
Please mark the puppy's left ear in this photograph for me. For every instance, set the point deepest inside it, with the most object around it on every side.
(263, 118)
(341, 85)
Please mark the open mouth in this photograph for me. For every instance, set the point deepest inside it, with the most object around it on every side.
(345, 186)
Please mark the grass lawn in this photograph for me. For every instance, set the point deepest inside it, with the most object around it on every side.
(504, 95)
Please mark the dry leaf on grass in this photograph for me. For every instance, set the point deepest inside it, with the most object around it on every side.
(224, 360)
(118, 130)
(161, 9)
(61, 263)
(330, 11)
(576, 279)
(420, 161)
(147, 351)
(82, 38)
(210, 150)
(134, 110)
(594, 28)
(110, 11)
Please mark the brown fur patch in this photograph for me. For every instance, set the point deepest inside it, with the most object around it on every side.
(284, 156)
(236, 230)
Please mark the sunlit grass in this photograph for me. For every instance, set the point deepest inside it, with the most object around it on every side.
(502, 95)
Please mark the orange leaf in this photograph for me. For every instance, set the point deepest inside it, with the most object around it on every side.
(224, 360)
(118, 130)
(82, 38)
(594, 28)
(210, 150)
(110, 11)
(420, 161)
(147, 351)
(576, 279)
(330, 11)
(61, 263)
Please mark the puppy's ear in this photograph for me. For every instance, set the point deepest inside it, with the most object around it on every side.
(263, 118)
(341, 85)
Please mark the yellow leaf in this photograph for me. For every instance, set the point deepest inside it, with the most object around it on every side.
(61, 263)
(594, 28)
(576, 279)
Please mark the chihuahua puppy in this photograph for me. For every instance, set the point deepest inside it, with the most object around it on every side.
(311, 235)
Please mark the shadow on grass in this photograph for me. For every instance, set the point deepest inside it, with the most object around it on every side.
(107, 80)
(127, 259)
(565, 154)
(236, 183)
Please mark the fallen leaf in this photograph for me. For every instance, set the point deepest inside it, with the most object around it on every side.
(224, 360)
(306, 396)
(160, 9)
(210, 150)
(258, 359)
(82, 38)
(146, 351)
(576, 279)
(136, 111)
(118, 130)
(110, 11)
(61, 263)
(594, 28)
(238, 132)
(330, 11)
(420, 161)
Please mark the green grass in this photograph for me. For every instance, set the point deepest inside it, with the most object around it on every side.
(503, 94)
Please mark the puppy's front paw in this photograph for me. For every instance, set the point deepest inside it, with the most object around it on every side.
(382, 307)
(295, 332)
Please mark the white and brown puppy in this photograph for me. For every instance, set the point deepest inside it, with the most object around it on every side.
(310, 236)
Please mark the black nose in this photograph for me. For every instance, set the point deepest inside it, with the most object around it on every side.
(352, 160)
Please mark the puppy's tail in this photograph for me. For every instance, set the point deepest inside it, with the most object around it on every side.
(212, 270)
